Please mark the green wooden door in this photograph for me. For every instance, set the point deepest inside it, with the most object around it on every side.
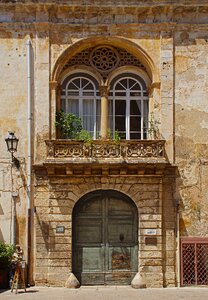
(105, 247)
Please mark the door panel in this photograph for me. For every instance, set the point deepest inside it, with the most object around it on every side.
(92, 259)
(120, 232)
(105, 247)
(119, 258)
(89, 231)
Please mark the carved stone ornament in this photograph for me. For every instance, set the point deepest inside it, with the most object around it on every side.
(104, 58)
(104, 91)
(144, 150)
(50, 149)
(110, 149)
(106, 151)
(78, 150)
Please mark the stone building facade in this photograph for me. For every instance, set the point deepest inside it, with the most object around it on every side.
(107, 210)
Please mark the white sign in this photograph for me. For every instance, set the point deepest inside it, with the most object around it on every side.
(151, 231)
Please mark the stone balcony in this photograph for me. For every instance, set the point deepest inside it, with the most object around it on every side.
(135, 151)
(135, 157)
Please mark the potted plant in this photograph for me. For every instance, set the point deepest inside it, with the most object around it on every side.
(6, 252)
(71, 127)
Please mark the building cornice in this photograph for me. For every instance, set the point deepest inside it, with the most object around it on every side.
(119, 3)
(141, 27)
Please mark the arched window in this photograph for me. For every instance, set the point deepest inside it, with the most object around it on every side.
(114, 78)
(128, 107)
(80, 96)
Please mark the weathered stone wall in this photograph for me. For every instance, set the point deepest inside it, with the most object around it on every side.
(175, 38)
(191, 128)
(54, 202)
(169, 232)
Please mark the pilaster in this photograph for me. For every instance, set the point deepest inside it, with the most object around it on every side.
(42, 103)
(167, 92)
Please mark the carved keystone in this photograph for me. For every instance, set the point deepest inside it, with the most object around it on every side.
(72, 282)
(138, 282)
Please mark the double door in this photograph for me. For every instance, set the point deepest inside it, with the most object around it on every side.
(105, 247)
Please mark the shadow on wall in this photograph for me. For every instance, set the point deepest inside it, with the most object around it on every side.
(182, 227)
(1, 211)
(1, 236)
(46, 232)
(180, 207)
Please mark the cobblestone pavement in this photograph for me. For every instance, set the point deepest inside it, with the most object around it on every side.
(106, 293)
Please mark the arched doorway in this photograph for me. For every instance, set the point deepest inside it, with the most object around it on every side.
(105, 239)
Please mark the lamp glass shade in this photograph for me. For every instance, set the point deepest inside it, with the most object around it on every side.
(12, 142)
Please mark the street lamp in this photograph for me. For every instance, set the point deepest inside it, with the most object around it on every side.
(12, 142)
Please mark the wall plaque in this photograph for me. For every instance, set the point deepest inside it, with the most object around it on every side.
(150, 232)
(60, 229)
(151, 241)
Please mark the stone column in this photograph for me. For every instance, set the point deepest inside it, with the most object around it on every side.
(104, 112)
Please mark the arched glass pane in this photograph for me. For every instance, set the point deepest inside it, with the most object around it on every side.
(80, 96)
(128, 107)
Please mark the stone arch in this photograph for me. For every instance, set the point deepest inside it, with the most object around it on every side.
(94, 41)
(60, 69)
(80, 69)
(108, 186)
(129, 69)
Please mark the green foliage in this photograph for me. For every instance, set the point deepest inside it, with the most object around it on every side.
(153, 129)
(109, 134)
(116, 137)
(84, 136)
(71, 128)
(6, 252)
(69, 124)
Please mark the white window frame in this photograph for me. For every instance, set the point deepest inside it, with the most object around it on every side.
(65, 98)
(127, 98)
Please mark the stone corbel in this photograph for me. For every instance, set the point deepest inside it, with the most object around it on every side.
(53, 85)
(154, 85)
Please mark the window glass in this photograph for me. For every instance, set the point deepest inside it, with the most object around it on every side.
(128, 104)
(80, 96)
(128, 107)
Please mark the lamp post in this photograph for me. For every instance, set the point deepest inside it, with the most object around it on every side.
(12, 142)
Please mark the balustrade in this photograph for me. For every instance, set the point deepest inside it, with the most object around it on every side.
(108, 150)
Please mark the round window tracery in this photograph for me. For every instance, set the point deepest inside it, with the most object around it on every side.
(104, 58)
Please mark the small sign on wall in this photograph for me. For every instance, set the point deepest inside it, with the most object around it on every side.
(60, 229)
(150, 232)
